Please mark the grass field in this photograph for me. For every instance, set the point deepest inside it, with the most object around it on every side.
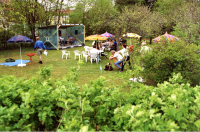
(61, 66)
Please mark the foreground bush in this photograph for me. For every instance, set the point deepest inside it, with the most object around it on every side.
(47, 104)
(167, 58)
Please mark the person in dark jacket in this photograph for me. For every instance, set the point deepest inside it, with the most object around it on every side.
(39, 45)
(115, 45)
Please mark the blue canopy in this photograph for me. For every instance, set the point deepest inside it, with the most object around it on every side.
(19, 39)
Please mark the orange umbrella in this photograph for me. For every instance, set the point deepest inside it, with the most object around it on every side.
(96, 37)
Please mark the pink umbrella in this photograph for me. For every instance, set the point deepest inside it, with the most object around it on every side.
(167, 37)
(106, 34)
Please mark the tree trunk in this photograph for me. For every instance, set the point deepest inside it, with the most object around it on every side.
(118, 41)
(60, 12)
(150, 39)
(33, 22)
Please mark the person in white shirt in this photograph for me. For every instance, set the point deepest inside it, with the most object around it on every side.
(93, 43)
(125, 54)
(144, 49)
(108, 44)
(61, 40)
(118, 57)
(123, 51)
(94, 50)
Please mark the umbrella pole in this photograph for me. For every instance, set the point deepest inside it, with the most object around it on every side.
(20, 54)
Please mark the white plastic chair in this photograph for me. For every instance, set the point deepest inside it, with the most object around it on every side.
(77, 53)
(85, 47)
(65, 52)
(88, 50)
(84, 55)
(93, 57)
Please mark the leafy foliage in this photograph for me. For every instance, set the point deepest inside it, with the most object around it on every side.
(167, 58)
(48, 104)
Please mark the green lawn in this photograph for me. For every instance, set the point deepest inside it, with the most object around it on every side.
(61, 66)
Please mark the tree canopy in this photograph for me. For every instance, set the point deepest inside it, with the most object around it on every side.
(148, 18)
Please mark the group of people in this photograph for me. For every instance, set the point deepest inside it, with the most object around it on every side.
(39, 45)
(110, 44)
(71, 40)
(119, 56)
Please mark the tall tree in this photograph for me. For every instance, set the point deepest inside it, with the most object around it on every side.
(94, 14)
(120, 4)
(136, 19)
(167, 9)
(151, 23)
(187, 20)
(100, 15)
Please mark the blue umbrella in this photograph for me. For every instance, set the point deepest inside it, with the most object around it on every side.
(19, 39)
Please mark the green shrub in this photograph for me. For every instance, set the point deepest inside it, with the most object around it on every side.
(167, 58)
(49, 104)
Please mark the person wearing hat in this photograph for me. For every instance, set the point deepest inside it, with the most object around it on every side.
(144, 48)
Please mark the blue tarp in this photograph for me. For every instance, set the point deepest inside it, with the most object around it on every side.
(14, 63)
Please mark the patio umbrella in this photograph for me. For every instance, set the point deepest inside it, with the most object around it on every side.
(109, 35)
(132, 35)
(19, 39)
(96, 37)
(167, 37)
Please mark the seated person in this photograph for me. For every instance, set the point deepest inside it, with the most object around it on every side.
(61, 40)
(108, 44)
(99, 45)
(111, 39)
(119, 59)
(94, 50)
(71, 39)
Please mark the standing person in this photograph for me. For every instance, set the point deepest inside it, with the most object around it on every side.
(119, 59)
(123, 51)
(125, 54)
(115, 45)
(39, 45)
(144, 49)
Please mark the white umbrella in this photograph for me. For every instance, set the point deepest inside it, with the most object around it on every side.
(132, 35)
